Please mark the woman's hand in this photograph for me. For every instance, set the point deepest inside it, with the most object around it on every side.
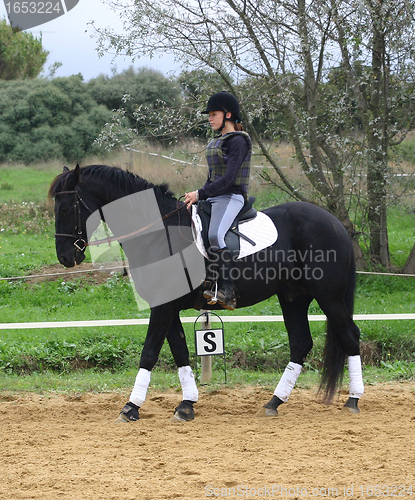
(190, 198)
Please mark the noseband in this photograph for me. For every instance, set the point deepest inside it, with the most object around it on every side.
(79, 243)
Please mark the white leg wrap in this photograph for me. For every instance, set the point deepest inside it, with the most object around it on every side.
(142, 381)
(356, 387)
(287, 381)
(189, 387)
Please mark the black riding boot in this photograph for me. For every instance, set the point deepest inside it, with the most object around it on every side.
(225, 293)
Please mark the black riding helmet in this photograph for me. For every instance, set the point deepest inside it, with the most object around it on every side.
(224, 101)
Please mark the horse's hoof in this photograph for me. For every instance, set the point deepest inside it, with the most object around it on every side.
(184, 412)
(267, 412)
(128, 414)
(351, 406)
(270, 409)
(177, 418)
(122, 420)
(347, 409)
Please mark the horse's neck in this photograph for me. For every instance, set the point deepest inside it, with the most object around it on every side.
(150, 196)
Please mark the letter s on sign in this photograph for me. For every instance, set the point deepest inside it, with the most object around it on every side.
(207, 337)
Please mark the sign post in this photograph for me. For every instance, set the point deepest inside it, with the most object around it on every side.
(209, 342)
(205, 361)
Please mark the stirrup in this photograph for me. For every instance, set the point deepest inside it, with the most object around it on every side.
(211, 295)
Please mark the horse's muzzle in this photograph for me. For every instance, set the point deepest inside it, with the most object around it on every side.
(71, 260)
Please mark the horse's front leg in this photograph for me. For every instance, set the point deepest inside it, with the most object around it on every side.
(178, 346)
(161, 318)
(164, 322)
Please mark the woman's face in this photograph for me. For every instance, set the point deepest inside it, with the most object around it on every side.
(216, 119)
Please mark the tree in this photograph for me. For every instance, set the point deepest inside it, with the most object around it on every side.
(196, 82)
(277, 57)
(409, 266)
(145, 87)
(380, 31)
(42, 120)
(21, 54)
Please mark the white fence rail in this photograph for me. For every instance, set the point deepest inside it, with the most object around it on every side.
(225, 319)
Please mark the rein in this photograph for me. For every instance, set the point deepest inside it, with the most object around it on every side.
(125, 237)
(80, 243)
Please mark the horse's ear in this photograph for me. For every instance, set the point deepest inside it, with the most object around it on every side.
(65, 169)
(77, 174)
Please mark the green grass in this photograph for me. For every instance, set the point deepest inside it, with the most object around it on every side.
(122, 381)
(256, 346)
(406, 151)
(401, 234)
(20, 254)
(26, 184)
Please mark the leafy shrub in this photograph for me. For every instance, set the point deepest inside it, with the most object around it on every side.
(42, 120)
(103, 351)
(146, 87)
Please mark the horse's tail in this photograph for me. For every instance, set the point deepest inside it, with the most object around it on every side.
(334, 355)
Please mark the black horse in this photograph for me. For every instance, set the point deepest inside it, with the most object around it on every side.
(311, 259)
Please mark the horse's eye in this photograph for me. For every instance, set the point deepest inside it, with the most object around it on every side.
(65, 211)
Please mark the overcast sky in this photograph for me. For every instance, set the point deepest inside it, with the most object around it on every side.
(68, 42)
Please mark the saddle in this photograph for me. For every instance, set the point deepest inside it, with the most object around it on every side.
(232, 238)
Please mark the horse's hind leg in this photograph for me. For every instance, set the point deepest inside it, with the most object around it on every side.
(356, 386)
(342, 340)
(296, 322)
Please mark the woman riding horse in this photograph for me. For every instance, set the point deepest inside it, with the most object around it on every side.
(226, 189)
(312, 259)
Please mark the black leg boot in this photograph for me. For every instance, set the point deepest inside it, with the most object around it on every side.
(212, 277)
(226, 293)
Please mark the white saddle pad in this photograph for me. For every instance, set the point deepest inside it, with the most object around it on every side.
(261, 230)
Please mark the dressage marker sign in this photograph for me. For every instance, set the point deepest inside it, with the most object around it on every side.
(24, 15)
(209, 342)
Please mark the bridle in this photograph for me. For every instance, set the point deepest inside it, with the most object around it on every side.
(80, 243)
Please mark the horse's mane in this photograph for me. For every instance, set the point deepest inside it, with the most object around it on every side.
(113, 178)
